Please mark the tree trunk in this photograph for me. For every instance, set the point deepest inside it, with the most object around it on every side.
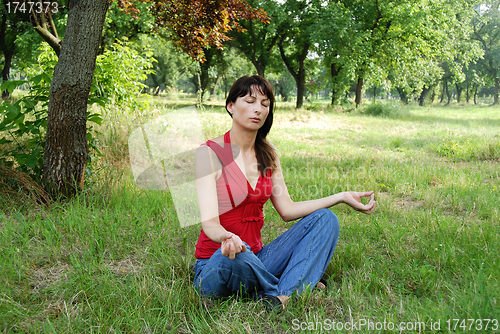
(300, 75)
(448, 94)
(459, 93)
(301, 86)
(6, 71)
(8, 53)
(260, 69)
(442, 92)
(214, 88)
(402, 95)
(66, 148)
(334, 71)
(374, 93)
(423, 95)
(359, 92)
(475, 95)
(433, 95)
(497, 90)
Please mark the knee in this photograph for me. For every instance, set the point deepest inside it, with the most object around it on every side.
(328, 222)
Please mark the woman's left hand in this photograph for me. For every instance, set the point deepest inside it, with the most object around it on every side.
(353, 199)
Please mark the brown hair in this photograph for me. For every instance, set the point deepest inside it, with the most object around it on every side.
(264, 151)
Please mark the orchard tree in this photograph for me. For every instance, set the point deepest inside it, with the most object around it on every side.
(295, 22)
(66, 147)
(486, 27)
(258, 38)
(403, 37)
(332, 32)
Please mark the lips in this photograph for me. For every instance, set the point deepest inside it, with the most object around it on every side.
(255, 119)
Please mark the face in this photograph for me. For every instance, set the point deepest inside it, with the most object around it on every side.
(250, 111)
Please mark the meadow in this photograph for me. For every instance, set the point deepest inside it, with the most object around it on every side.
(115, 259)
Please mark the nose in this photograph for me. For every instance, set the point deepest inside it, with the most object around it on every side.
(259, 108)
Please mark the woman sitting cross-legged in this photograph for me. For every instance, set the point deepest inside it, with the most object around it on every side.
(236, 174)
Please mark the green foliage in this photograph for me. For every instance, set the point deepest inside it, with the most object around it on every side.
(23, 123)
(119, 76)
(23, 126)
(469, 149)
(390, 110)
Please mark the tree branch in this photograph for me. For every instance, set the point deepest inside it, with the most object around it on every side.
(53, 26)
(286, 61)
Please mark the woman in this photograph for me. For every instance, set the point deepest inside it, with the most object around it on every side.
(235, 175)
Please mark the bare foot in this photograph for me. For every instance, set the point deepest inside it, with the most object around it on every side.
(284, 299)
(321, 286)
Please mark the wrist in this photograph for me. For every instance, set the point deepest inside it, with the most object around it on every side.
(341, 197)
(226, 236)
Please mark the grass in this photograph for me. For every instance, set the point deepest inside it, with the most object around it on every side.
(114, 259)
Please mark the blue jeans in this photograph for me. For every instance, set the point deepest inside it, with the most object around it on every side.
(299, 257)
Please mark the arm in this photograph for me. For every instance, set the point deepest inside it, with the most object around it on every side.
(206, 189)
(290, 210)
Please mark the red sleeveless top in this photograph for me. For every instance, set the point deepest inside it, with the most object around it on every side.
(241, 206)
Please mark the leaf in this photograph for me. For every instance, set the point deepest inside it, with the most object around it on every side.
(36, 80)
(32, 161)
(12, 112)
(95, 118)
(11, 85)
(46, 77)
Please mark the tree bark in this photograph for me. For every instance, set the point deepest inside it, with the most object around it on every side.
(66, 148)
(459, 93)
(442, 92)
(8, 50)
(448, 94)
(497, 90)
(6, 71)
(475, 95)
(335, 72)
(423, 95)
(467, 96)
(359, 92)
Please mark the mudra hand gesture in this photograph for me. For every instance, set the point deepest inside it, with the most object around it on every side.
(232, 245)
(353, 199)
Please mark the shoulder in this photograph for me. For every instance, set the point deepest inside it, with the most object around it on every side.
(206, 148)
(218, 140)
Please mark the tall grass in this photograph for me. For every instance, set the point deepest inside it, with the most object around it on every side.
(114, 259)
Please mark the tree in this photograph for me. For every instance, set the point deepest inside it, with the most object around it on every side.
(258, 39)
(294, 41)
(198, 24)
(486, 27)
(333, 36)
(66, 148)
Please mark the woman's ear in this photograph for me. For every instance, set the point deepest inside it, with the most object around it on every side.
(229, 107)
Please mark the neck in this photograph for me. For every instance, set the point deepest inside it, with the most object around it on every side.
(245, 140)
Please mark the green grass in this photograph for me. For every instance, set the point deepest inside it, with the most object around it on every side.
(114, 259)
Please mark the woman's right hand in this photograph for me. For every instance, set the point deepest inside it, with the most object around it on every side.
(232, 245)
